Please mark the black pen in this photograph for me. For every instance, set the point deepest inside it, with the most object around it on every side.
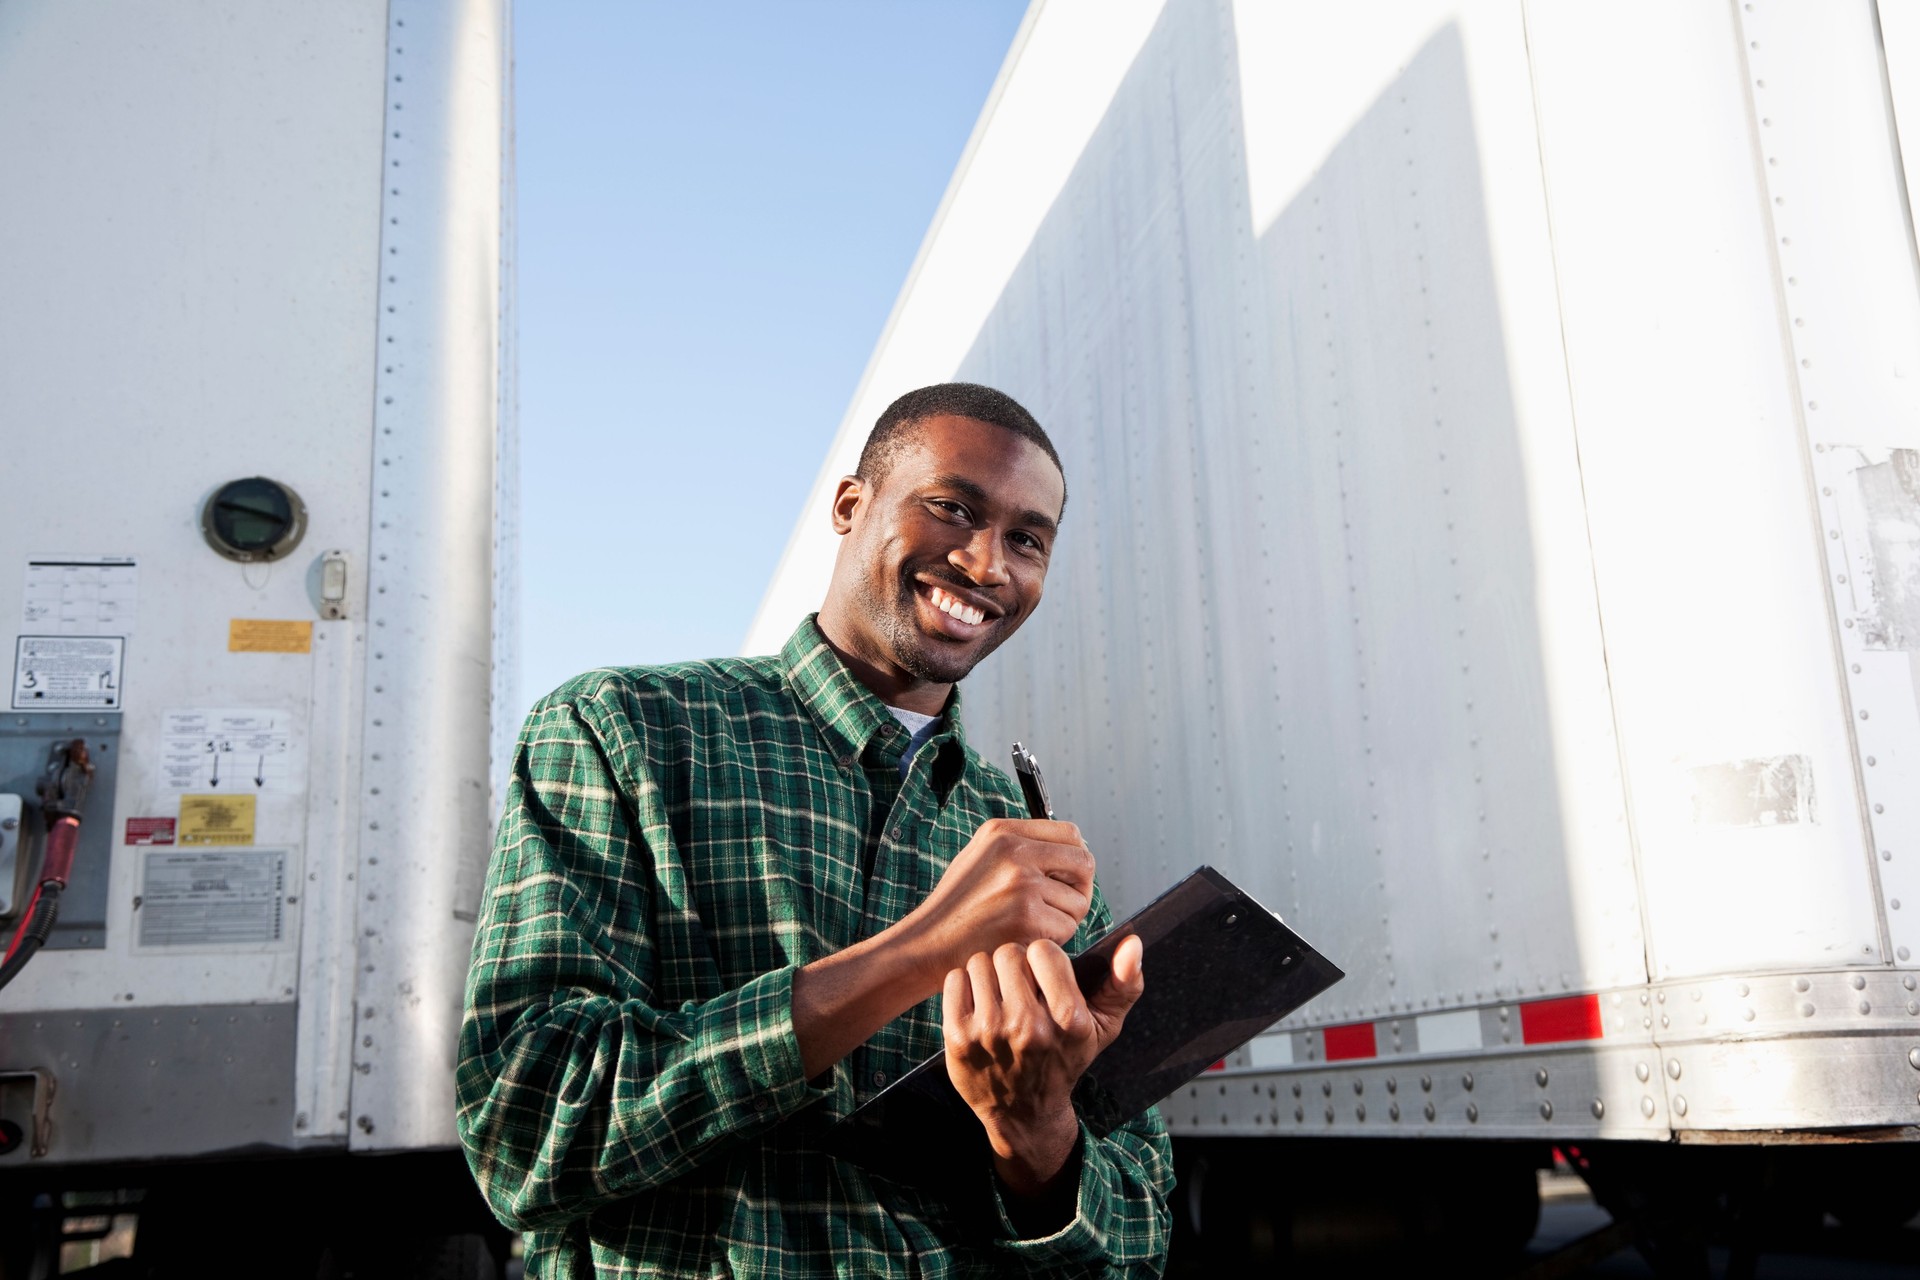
(1027, 769)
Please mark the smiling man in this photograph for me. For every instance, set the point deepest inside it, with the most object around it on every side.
(725, 896)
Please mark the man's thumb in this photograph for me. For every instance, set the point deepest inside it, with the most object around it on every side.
(1123, 987)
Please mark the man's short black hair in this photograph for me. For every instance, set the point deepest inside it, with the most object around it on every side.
(894, 430)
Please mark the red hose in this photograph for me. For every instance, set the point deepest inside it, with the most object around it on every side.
(62, 836)
(21, 930)
(63, 794)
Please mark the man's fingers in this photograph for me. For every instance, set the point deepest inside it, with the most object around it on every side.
(956, 1003)
(1056, 849)
(1044, 829)
(1054, 973)
(1018, 991)
(1069, 900)
(1070, 864)
(984, 985)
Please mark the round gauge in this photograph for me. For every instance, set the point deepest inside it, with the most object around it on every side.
(253, 519)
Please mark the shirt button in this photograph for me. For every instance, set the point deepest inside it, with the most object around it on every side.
(898, 832)
(846, 762)
(761, 1104)
(879, 1079)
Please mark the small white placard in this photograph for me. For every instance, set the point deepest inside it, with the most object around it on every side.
(1456, 1031)
(81, 595)
(229, 749)
(213, 897)
(68, 673)
(1274, 1050)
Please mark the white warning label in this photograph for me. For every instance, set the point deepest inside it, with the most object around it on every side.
(203, 897)
(67, 673)
(220, 750)
(81, 595)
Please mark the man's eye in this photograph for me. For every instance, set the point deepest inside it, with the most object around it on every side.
(950, 507)
(1028, 541)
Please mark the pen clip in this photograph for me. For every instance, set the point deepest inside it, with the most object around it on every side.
(1027, 769)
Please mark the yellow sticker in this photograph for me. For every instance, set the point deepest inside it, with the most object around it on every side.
(216, 819)
(269, 635)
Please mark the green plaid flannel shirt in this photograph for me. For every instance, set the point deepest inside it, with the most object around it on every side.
(677, 841)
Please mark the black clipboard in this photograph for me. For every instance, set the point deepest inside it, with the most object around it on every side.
(1220, 969)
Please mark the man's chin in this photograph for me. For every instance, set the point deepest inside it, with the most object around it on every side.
(941, 659)
(939, 668)
(927, 653)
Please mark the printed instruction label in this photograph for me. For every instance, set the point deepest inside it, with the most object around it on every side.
(217, 819)
(149, 831)
(68, 673)
(229, 749)
(269, 635)
(200, 897)
(81, 595)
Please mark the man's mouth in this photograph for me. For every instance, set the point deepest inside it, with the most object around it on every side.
(959, 618)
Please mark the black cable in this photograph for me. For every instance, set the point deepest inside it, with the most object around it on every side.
(34, 931)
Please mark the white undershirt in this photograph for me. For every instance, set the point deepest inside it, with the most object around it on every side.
(920, 727)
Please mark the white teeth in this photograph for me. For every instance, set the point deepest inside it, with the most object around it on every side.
(955, 608)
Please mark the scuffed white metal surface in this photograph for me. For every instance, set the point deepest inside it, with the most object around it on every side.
(1868, 507)
(271, 239)
(1297, 621)
(1442, 402)
(1295, 627)
(1730, 210)
(188, 267)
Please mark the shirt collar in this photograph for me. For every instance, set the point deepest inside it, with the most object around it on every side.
(848, 713)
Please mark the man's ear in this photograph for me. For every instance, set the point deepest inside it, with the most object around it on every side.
(846, 500)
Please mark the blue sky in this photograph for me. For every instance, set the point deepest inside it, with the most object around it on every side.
(718, 203)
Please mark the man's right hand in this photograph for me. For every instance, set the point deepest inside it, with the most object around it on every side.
(1016, 881)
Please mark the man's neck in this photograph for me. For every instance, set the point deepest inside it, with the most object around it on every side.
(890, 683)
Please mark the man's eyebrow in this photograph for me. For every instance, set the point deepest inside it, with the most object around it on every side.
(962, 486)
(1039, 521)
(974, 493)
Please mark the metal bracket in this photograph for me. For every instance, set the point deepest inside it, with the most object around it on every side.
(43, 1091)
(10, 844)
(333, 585)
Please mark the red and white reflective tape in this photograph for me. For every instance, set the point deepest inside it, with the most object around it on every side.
(1353, 1040)
(1560, 1020)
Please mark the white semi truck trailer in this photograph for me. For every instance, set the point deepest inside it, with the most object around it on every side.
(256, 553)
(1493, 439)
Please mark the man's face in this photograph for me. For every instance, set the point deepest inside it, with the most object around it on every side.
(948, 555)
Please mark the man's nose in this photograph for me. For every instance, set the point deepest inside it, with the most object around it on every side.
(982, 559)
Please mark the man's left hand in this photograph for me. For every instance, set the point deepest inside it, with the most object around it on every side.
(1019, 1035)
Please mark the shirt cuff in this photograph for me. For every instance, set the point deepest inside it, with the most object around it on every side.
(754, 1067)
(1084, 1237)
